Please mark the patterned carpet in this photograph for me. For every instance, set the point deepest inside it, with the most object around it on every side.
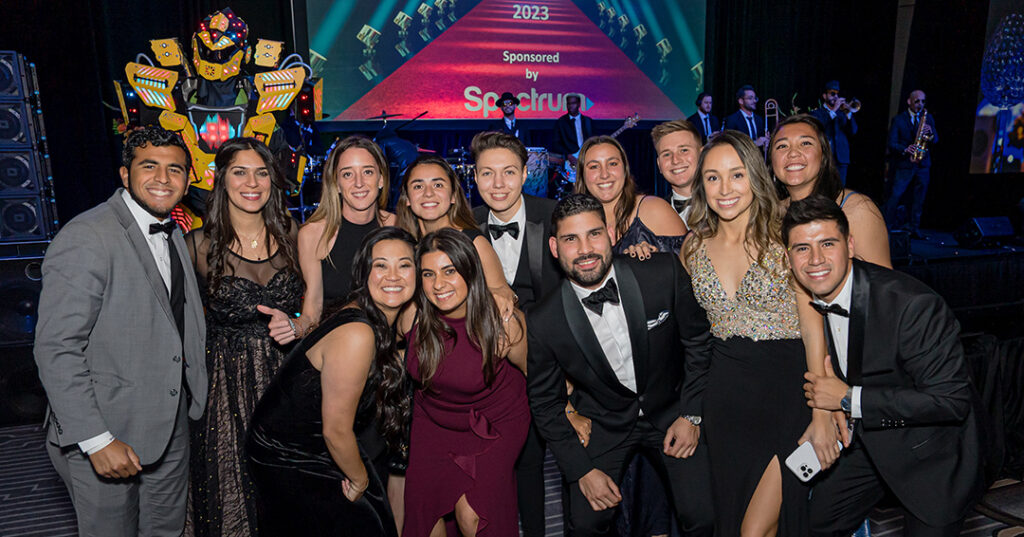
(34, 502)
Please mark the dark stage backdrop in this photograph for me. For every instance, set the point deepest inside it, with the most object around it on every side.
(782, 48)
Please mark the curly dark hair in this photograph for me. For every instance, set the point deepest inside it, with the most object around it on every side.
(387, 372)
(572, 205)
(155, 136)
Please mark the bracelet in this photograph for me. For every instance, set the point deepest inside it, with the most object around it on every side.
(352, 485)
(567, 412)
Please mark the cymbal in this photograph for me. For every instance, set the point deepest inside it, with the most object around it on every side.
(383, 116)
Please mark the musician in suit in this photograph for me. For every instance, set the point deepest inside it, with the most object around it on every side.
(517, 225)
(746, 119)
(706, 123)
(898, 372)
(572, 129)
(677, 144)
(622, 330)
(905, 172)
(508, 122)
(120, 348)
(837, 117)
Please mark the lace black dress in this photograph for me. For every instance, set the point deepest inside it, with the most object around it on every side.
(297, 481)
(241, 359)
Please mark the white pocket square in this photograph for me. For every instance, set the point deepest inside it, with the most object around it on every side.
(655, 322)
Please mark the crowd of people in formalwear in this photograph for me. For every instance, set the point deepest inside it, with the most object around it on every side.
(379, 374)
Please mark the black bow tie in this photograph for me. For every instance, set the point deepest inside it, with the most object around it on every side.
(831, 308)
(166, 227)
(497, 230)
(595, 301)
(680, 205)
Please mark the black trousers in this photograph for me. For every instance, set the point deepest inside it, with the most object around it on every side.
(688, 480)
(843, 498)
(530, 485)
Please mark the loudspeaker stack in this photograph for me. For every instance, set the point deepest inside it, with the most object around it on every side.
(28, 220)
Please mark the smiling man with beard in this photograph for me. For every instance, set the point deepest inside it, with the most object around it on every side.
(624, 332)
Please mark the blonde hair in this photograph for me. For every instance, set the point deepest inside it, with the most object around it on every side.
(329, 210)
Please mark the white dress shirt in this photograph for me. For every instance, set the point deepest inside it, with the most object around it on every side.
(686, 211)
(577, 120)
(510, 124)
(840, 331)
(157, 243)
(705, 122)
(612, 333)
(750, 122)
(508, 248)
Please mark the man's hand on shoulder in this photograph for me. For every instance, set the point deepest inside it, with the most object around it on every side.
(117, 460)
(600, 490)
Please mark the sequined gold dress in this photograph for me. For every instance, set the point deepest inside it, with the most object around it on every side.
(753, 402)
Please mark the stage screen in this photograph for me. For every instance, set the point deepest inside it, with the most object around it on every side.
(998, 145)
(453, 58)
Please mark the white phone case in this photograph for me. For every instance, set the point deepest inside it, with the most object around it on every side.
(804, 462)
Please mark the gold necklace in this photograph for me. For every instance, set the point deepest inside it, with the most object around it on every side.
(255, 240)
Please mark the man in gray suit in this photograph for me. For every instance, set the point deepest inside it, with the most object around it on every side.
(120, 348)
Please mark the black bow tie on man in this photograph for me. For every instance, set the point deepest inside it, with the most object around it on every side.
(680, 205)
(595, 301)
(497, 230)
(831, 308)
(166, 227)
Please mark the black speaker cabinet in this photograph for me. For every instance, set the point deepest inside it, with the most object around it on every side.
(20, 283)
(25, 219)
(984, 231)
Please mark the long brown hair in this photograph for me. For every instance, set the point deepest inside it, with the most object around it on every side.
(329, 210)
(459, 213)
(764, 221)
(218, 229)
(827, 183)
(627, 199)
(434, 338)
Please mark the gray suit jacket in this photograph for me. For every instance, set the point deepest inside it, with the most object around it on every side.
(107, 347)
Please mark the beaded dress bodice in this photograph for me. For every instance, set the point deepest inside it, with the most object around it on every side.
(764, 306)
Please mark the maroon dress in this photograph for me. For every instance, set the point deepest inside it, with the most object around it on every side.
(465, 439)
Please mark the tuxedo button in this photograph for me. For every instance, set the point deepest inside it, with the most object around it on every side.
(176, 359)
(174, 392)
(641, 399)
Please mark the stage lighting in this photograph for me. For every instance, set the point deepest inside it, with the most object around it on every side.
(623, 25)
(425, 11)
(368, 36)
(639, 31)
(664, 48)
(600, 9)
(403, 21)
(607, 22)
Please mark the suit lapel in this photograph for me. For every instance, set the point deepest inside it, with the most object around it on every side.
(587, 341)
(633, 304)
(859, 301)
(134, 236)
(534, 249)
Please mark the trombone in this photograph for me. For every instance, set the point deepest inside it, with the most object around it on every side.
(771, 110)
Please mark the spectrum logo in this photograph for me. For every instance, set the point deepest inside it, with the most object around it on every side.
(476, 101)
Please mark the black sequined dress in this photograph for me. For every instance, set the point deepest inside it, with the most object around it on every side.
(241, 359)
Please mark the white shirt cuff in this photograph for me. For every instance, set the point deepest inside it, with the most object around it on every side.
(96, 443)
(855, 404)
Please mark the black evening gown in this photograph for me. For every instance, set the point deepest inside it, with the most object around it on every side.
(298, 484)
(241, 358)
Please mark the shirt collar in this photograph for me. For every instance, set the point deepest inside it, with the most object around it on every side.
(680, 197)
(142, 217)
(702, 114)
(845, 294)
(746, 115)
(582, 292)
(519, 217)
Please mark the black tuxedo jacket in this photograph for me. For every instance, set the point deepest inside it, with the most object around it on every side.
(901, 134)
(667, 329)
(520, 132)
(920, 423)
(565, 134)
(543, 266)
(838, 131)
(716, 125)
(737, 122)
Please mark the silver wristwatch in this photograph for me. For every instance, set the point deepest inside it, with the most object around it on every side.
(695, 420)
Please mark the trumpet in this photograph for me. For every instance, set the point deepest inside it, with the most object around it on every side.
(850, 107)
